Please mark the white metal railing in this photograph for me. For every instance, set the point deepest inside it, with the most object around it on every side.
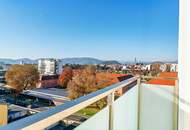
(52, 116)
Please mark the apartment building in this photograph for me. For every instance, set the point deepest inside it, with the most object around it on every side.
(49, 66)
(3, 70)
(2, 76)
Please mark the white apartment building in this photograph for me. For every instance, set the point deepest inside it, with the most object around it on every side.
(163, 67)
(49, 66)
(174, 68)
(146, 67)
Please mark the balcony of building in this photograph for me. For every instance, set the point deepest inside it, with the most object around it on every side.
(142, 107)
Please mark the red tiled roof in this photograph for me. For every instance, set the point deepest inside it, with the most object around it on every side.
(162, 82)
(118, 75)
(168, 74)
(115, 77)
(169, 82)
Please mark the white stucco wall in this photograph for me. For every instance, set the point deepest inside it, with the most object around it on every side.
(184, 65)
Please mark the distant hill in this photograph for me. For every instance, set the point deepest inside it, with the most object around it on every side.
(110, 62)
(157, 62)
(18, 61)
(82, 61)
(163, 62)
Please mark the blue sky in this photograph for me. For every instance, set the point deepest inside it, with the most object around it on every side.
(104, 29)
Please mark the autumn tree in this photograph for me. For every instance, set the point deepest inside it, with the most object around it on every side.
(155, 69)
(82, 83)
(103, 80)
(22, 77)
(65, 77)
(168, 68)
(86, 81)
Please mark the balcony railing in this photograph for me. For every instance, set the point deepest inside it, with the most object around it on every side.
(143, 107)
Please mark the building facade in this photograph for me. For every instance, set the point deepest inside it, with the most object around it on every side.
(174, 68)
(49, 66)
(2, 76)
(48, 81)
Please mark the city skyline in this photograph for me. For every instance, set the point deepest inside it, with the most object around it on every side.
(107, 30)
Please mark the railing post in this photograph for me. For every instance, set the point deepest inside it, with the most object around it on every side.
(110, 101)
(176, 105)
(138, 114)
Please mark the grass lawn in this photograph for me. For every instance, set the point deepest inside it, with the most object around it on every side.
(89, 111)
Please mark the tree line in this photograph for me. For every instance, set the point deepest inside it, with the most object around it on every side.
(79, 82)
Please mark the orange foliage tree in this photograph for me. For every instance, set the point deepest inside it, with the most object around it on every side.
(82, 83)
(65, 77)
(87, 80)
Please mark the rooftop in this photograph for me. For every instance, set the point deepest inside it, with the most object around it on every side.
(58, 96)
(161, 81)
